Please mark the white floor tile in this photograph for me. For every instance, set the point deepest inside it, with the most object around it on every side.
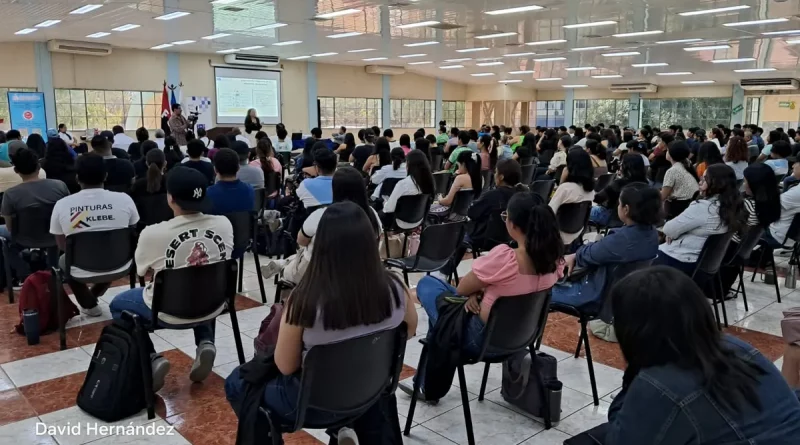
(225, 370)
(180, 338)
(548, 437)
(423, 436)
(24, 432)
(113, 292)
(47, 366)
(170, 436)
(474, 374)
(424, 411)
(5, 381)
(75, 416)
(491, 424)
(585, 419)
(83, 319)
(557, 353)
(413, 351)
(574, 373)
(226, 350)
(248, 319)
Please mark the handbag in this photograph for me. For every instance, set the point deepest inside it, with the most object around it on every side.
(267, 336)
(529, 384)
(395, 247)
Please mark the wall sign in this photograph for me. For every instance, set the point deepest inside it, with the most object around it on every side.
(27, 112)
(787, 104)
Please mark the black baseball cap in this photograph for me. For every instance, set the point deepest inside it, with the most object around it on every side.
(188, 187)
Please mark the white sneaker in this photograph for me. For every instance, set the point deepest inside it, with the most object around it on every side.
(93, 312)
(346, 436)
(160, 367)
(204, 362)
(272, 268)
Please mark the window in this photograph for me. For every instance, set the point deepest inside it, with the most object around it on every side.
(351, 112)
(413, 113)
(5, 115)
(595, 111)
(454, 112)
(703, 112)
(752, 110)
(546, 113)
(101, 109)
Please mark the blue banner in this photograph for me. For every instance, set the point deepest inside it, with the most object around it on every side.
(27, 113)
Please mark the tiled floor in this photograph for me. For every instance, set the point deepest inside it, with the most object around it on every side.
(39, 384)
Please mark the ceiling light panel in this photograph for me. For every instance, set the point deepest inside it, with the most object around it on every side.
(697, 82)
(330, 15)
(496, 63)
(48, 23)
(590, 24)
(251, 48)
(25, 31)
(607, 76)
(521, 72)
(509, 81)
(581, 68)
(167, 45)
(408, 56)
(549, 79)
(756, 22)
(513, 10)
(781, 33)
(793, 42)
(417, 25)
(575, 86)
(667, 42)
(471, 50)
(590, 48)
(451, 67)
(229, 51)
(85, 8)
(216, 36)
(324, 54)
(270, 26)
(546, 42)
(412, 45)
(298, 58)
(713, 11)
(173, 15)
(374, 59)
(675, 73)
(186, 42)
(424, 62)
(706, 48)
(622, 54)
(743, 59)
(549, 59)
(496, 35)
(363, 50)
(649, 65)
(755, 70)
(287, 43)
(519, 54)
(98, 35)
(482, 74)
(464, 59)
(638, 33)
(345, 34)
(127, 27)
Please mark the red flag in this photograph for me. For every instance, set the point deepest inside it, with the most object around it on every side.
(165, 110)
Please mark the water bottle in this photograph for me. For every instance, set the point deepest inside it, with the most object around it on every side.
(554, 388)
(30, 321)
(791, 277)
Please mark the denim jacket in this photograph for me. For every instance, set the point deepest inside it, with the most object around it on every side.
(667, 405)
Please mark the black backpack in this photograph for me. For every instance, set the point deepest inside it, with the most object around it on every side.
(114, 387)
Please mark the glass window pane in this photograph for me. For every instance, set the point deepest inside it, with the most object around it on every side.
(79, 123)
(114, 97)
(77, 97)
(95, 97)
(62, 96)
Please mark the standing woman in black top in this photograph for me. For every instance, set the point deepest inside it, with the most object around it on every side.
(251, 122)
(346, 149)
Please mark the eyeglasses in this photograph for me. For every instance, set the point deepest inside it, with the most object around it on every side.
(504, 216)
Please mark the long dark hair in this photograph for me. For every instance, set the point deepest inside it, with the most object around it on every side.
(633, 168)
(398, 157)
(348, 185)
(221, 142)
(263, 150)
(405, 140)
(344, 243)
(537, 221)
(419, 169)
(490, 144)
(580, 169)
(57, 158)
(679, 153)
(709, 153)
(350, 142)
(721, 181)
(472, 162)
(764, 190)
(661, 317)
(36, 143)
(383, 151)
(643, 201)
(155, 160)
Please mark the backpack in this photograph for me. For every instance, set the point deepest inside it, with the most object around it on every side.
(114, 385)
(529, 384)
(36, 295)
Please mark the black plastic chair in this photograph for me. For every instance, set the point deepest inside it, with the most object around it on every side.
(674, 207)
(557, 174)
(388, 185)
(30, 230)
(708, 264)
(411, 211)
(437, 244)
(436, 162)
(543, 188)
(153, 209)
(461, 203)
(346, 378)
(245, 228)
(526, 161)
(573, 218)
(746, 245)
(90, 252)
(120, 188)
(792, 234)
(527, 173)
(486, 177)
(441, 182)
(602, 181)
(514, 325)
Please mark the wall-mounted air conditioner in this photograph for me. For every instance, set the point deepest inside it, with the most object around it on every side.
(388, 70)
(634, 88)
(252, 60)
(769, 84)
(83, 48)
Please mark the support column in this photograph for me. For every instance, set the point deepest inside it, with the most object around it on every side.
(311, 83)
(737, 105)
(634, 102)
(438, 109)
(569, 102)
(44, 81)
(173, 68)
(386, 106)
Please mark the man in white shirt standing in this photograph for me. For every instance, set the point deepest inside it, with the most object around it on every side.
(90, 210)
(191, 238)
(121, 140)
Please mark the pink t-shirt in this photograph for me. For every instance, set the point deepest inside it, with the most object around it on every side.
(500, 271)
(406, 150)
(276, 164)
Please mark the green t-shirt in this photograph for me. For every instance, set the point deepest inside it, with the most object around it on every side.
(454, 157)
(515, 146)
(442, 138)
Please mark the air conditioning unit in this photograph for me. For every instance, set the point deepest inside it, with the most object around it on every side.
(83, 48)
(252, 60)
(769, 84)
(634, 88)
(382, 69)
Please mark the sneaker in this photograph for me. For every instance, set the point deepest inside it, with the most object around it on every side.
(160, 367)
(409, 390)
(346, 436)
(272, 268)
(201, 368)
(93, 312)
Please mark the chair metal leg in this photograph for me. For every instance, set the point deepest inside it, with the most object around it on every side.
(580, 342)
(141, 281)
(417, 384)
(7, 264)
(585, 339)
(722, 299)
(775, 274)
(237, 336)
(258, 274)
(56, 289)
(741, 286)
(483, 382)
(760, 260)
(462, 382)
(241, 273)
(132, 274)
(278, 289)
(714, 302)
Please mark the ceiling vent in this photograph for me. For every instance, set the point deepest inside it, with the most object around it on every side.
(82, 48)
(446, 26)
(382, 69)
(252, 60)
(634, 88)
(769, 84)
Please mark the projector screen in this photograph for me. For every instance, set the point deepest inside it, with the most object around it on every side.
(238, 90)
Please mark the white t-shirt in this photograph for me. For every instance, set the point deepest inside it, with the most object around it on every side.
(406, 187)
(93, 210)
(123, 141)
(207, 142)
(9, 178)
(66, 138)
(242, 138)
(311, 225)
(394, 144)
(159, 142)
(188, 240)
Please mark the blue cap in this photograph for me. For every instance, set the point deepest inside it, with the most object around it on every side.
(52, 133)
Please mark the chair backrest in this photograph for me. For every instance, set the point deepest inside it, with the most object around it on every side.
(441, 182)
(496, 231)
(573, 217)
(153, 209)
(557, 174)
(30, 227)
(749, 242)
(436, 162)
(615, 274)
(713, 253)
(412, 208)
(439, 241)
(259, 199)
(461, 202)
(516, 322)
(486, 176)
(121, 188)
(526, 161)
(388, 185)
(100, 252)
(196, 291)
(347, 377)
(543, 188)
(527, 173)
(794, 229)
(674, 207)
(603, 181)
(242, 223)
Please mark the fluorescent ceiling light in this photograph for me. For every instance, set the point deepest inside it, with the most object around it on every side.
(298, 58)
(48, 23)
(755, 70)
(496, 35)
(743, 59)
(25, 31)
(481, 74)
(575, 86)
(667, 42)
(223, 2)
(675, 73)
(85, 8)
(215, 36)
(496, 63)
(425, 62)
(518, 54)
(513, 10)
(270, 26)
(648, 65)
(756, 22)
(458, 60)
(706, 48)
(374, 59)
(408, 56)
(550, 59)
(186, 42)
(167, 45)
(509, 81)
(607, 76)
(324, 54)
(451, 67)
(521, 72)
(590, 24)
(330, 15)
(546, 42)
(793, 42)
(548, 79)
(229, 51)
(411, 45)
(581, 68)
(590, 48)
(471, 50)
(250, 48)
(127, 27)
(97, 35)
(697, 82)
(713, 11)
(622, 54)
(417, 25)
(346, 34)
(638, 33)
(364, 50)
(287, 43)
(173, 15)
(781, 33)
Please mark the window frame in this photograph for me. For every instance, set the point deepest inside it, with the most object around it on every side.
(405, 107)
(89, 109)
(551, 112)
(686, 111)
(451, 113)
(619, 108)
(333, 119)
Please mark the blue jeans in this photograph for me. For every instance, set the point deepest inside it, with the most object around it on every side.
(132, 300)
(770, 240)
(600, 215)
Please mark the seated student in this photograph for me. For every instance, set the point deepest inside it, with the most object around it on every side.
(680, 183)
(598, 153)
(173, 152)
(317, 191)
(229, 194)
(577, 185)
(267, 162)
(195, 149)
(247, 173)
(468, 177)
(707, 154)
(183, 241)
(381, 155)
(140, 166)
(389, 135)
(526, 150)
(558, 159)
(463, 140)
(282, 146)
(120, 139)
(777, 157)
(737, 156)
(424, 145)
(202, 137)
(418, 181)
(119, 172)
(637, 240)
(154, 182)
(345, 149)
(659, 164)
(718, 210)
(10, 178)
(397, 169)
(92, 209)
(135, 149)
(405, 143)
(686, 382)
(58, 163)
(793, 178)
(535, 265)
(220, 142)
(312, 318)
(631, 170)
(775, 235)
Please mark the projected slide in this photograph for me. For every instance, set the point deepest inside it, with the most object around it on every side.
(238, 90)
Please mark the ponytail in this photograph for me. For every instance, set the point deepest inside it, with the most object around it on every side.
(398, 157)
(264, 149)
(154, 175)
(543, 242)
(472, 162)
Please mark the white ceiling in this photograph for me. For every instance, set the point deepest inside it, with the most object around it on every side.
(380, 22)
